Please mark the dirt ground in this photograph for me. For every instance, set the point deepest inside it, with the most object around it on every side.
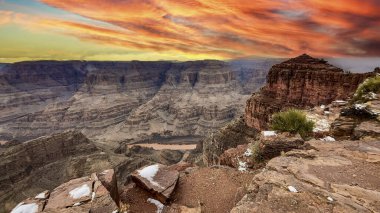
(215, 189)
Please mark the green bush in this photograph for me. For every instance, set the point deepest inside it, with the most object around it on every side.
(370, 85)
(293, 121)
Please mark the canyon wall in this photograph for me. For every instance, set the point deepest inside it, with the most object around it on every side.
(300, 82)
(115, 101)
(44, 163)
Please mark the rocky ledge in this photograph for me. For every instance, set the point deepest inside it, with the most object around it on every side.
(330, 177)
(300, 82)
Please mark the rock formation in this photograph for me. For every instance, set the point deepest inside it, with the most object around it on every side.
(46, 162)
(300, 82)
(86, 194)
(133, 99)
(321, 179)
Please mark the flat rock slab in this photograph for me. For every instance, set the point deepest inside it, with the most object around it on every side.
(71, 193)
(339, 176)
(158, 179)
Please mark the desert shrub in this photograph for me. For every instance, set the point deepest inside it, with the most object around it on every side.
(257, 152)
(293, 121)
(367, 89)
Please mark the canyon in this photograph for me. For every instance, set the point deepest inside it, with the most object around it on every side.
(111, 102)
(238, 167)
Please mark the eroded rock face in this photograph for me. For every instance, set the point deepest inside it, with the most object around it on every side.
(134, 99)
(230, 136)
(328, 178)
(300, 82)
(46, 162)
(157, 179)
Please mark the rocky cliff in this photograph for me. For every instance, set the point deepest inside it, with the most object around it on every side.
(46, 162)
(300, 82)
(133, 99)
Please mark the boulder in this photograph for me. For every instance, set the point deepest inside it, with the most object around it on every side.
(234, 156)
(367, 129)
(70, 194)
(96, 194)
(271, 147)
(158, 179)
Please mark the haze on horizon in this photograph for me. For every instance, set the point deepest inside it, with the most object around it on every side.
(187, 29)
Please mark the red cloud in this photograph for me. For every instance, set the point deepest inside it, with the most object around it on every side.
(233, 28)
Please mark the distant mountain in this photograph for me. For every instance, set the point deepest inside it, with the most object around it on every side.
(117, 101)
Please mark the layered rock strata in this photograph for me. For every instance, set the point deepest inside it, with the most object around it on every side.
(46, 162)
(300, 83)
(135, 99)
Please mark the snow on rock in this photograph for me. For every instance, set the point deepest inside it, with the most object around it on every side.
(323, 106)
(25, 208)
(268, 133)
(328, 139)
(242, 166)
(158, 204)
(292, 189)
(321, 125)
(149, 172)
(248, 152)
(360, 106)
(42, 195)
(81, 191)
(330, 199)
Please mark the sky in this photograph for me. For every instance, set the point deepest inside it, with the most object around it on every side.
(187, 29)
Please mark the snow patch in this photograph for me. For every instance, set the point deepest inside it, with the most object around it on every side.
(242, 166)
(158, 204)
(321, 125)
(77, 204)
(148, 173)
(292, 189)
(330, 199)
(41, 195)
(25, 208)
(328, 139)
(81, 191)
(269, 133)
(248, 152)
(323, 106)
(360, 106)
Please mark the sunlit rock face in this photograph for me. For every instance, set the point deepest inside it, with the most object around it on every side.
(300, 82)
(113, 101)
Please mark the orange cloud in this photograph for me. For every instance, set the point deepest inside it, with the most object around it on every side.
(228, 28)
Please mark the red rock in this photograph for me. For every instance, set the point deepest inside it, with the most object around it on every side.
(231, 157)
(109, 181)
(158, 179)
(71, 193)
(300, 83)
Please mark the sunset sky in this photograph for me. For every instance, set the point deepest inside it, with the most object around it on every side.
(187, 29)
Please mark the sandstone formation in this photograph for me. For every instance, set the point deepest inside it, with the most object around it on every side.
(300, 83)
(331, 177)
(115, 101)
(157, 179)
(46, 162)
(86, 194)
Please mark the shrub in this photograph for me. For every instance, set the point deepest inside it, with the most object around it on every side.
(257, 152)
(367, 89)
(293, 121)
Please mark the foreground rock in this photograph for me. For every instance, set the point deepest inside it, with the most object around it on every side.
(157, 179)
(331, 177)
(45, 163)
(95, 193)
(300, 82)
